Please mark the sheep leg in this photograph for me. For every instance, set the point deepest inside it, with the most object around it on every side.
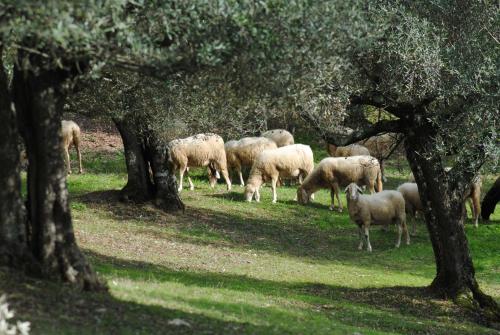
(332, 195)
(242, 182)
(79, 158)
(274, 181)
(476, 208)
(407, 234)
(367, 238)
(182, 169)
(68, 162)
(225, 174)
(360, 234)
(191, 185)
(400, 231)
(257, 194)
(337, 191)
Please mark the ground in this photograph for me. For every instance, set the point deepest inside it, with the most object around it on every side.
(230, 267)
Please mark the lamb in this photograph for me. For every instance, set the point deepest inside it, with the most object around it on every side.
(412, 201)
(376, 209)
(338, 172)
(71, 136)
(281, 136)
(350, 150)
(199, 151)
(472, 194)
(243, 153)
(289, 161)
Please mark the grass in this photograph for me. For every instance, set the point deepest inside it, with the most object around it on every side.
(229, 267)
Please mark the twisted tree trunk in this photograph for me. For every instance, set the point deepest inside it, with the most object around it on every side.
(444, 205)
(150, 176)
(38, 99)
(13, 249)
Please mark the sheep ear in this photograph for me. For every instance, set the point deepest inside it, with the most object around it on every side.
(345, 190)
(359, 189)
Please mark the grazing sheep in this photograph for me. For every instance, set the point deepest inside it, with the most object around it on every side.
(350, 150)
(490, 200)
(412, 201)
(290, 161)
(280, 136)
(336, 172)
(243, 153)
(199, 151)
(376, 209)
(71, 136)
(381, 147)
(472, 194)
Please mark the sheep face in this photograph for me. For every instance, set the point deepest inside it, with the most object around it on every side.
(352, 191)
(302, 196)
(249, 192)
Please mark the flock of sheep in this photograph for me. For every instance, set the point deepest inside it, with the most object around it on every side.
(274, 157)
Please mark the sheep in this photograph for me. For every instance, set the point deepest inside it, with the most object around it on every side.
(71, 136)
(472, 195)
(281, 136)
(242, 153)
(335, 172)
(289, 161)
(412, 201)
(380, 208)
(350, 150)
(199, 151)
(381, 147)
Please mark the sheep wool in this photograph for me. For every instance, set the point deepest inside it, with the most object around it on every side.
(199, 151)
(286, 162)
(281, 137)
(243, 153)
(335, 172)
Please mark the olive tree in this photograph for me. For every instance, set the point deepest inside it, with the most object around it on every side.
(434, 68)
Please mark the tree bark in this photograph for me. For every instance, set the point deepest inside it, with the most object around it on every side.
(150, 176)
(13, 250)
(444, 205)
(38, 97)
(490, 200)
(139, 186)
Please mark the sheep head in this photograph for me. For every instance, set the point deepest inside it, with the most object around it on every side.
(249, 192)
(352, 191)
(302, 196)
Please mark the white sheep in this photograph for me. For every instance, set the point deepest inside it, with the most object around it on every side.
(472, 195)
(412, 201)
(282, 137)
(336, 172)
(350, 150)
(381, 208)
(71, 136)
(199, 151)
(243, 153)
(289, 161)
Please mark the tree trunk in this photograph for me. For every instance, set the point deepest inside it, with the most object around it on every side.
(150, 176)
(455, 275)
(51, 238)
(139, 186)
(13, 250)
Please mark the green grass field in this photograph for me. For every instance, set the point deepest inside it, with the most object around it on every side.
(230, 267)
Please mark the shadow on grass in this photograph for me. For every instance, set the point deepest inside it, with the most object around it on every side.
(55, 308)
(318, 234)
(403, 309)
